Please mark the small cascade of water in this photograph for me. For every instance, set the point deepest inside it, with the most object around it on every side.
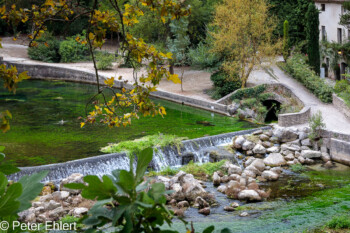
(199, 150)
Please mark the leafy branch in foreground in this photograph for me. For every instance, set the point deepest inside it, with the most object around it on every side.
(126, 202)
(120, 17)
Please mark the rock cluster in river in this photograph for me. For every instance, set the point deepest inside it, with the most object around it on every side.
(187, 191)
(53, 204)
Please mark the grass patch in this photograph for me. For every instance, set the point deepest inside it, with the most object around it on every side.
(339, 222)
(134, 146)
(298, 168)
(200, 171)
(168, 171)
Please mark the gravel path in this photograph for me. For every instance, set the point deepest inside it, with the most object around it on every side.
(333, 119)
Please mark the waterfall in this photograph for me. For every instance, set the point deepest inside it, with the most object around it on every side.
(197, 150)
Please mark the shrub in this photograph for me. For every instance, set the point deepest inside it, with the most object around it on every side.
(253, 92)
(316, 125)
(201, 171)
(73, 51)
(341, 86)
(297, 67)
(297, 168)
(202, 58)
(46, 50)
(224, 85)
(104, 61)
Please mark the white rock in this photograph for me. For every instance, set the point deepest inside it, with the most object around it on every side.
(270, 175)
(310, 154)
(259, 149)
(259, 164)
(52, 205)
(249, 195)
(274, 160)
(274, 149)
(306, 142)
(222, 188)
(234, 169)
(216, 179)
(289, 157)
(248, 145)
(325, 157)
(239, 142)
(74, 178)
(79, 212)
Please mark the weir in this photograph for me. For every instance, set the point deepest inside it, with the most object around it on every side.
(163, 157)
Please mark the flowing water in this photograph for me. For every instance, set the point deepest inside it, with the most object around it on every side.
(45, 128)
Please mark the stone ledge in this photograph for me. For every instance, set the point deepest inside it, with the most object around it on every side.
(340, 104)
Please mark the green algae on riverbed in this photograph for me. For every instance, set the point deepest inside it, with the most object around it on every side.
(331, 197)
(45, 128)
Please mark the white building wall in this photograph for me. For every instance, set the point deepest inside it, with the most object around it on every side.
(330, 20)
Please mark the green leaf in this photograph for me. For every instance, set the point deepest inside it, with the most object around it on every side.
(157, 192)
(209, 229)
(98, 189)
(3, 184)
(126, 181)
(143, 159)
(77, 186)
(8, 203)
(2, 148)
(31, 189)
(8, 169)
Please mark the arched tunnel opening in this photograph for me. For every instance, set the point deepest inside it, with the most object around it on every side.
(273, 107)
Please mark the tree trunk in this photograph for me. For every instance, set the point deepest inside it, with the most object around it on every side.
(171, 69)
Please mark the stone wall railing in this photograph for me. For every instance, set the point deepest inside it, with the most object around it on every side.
(341, 106)
(290, 119)
(48, 72)
(337, 145)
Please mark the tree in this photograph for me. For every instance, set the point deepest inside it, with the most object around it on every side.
(313, 37)
(294, 11)
(244, 31)
(345, 18)
(128, 104)
(179, 44)
(286, 49)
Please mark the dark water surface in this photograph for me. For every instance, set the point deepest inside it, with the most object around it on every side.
(45, 128)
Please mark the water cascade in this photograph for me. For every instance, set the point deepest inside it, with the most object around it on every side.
(197, 150)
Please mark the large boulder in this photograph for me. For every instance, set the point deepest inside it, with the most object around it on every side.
(259, 149)
(232, 109)
(285, 134)
(216, 179)
(249, 195)
(270, 175)
(274, 160)
(274, 149)
(311, 154)
(238, 142)
(247, 145)
(258, 164)
(191, 187)
(234, 169)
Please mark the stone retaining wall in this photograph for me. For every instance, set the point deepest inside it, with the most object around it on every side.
(48, 72)
(290, 119)
(341, 106)
(340, 151)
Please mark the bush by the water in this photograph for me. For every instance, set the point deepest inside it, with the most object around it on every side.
(73, 51)
(47, 49)
(224, 84)
(342, 89)
(253, 92)
(299, 69)
(104, 61)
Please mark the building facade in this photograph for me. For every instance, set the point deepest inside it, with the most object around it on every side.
(332, 31)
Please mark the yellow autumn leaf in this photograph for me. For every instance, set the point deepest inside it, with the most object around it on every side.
(82, 124)
(174, 78)
(162, 110)
(109, 82)
(91, 36)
